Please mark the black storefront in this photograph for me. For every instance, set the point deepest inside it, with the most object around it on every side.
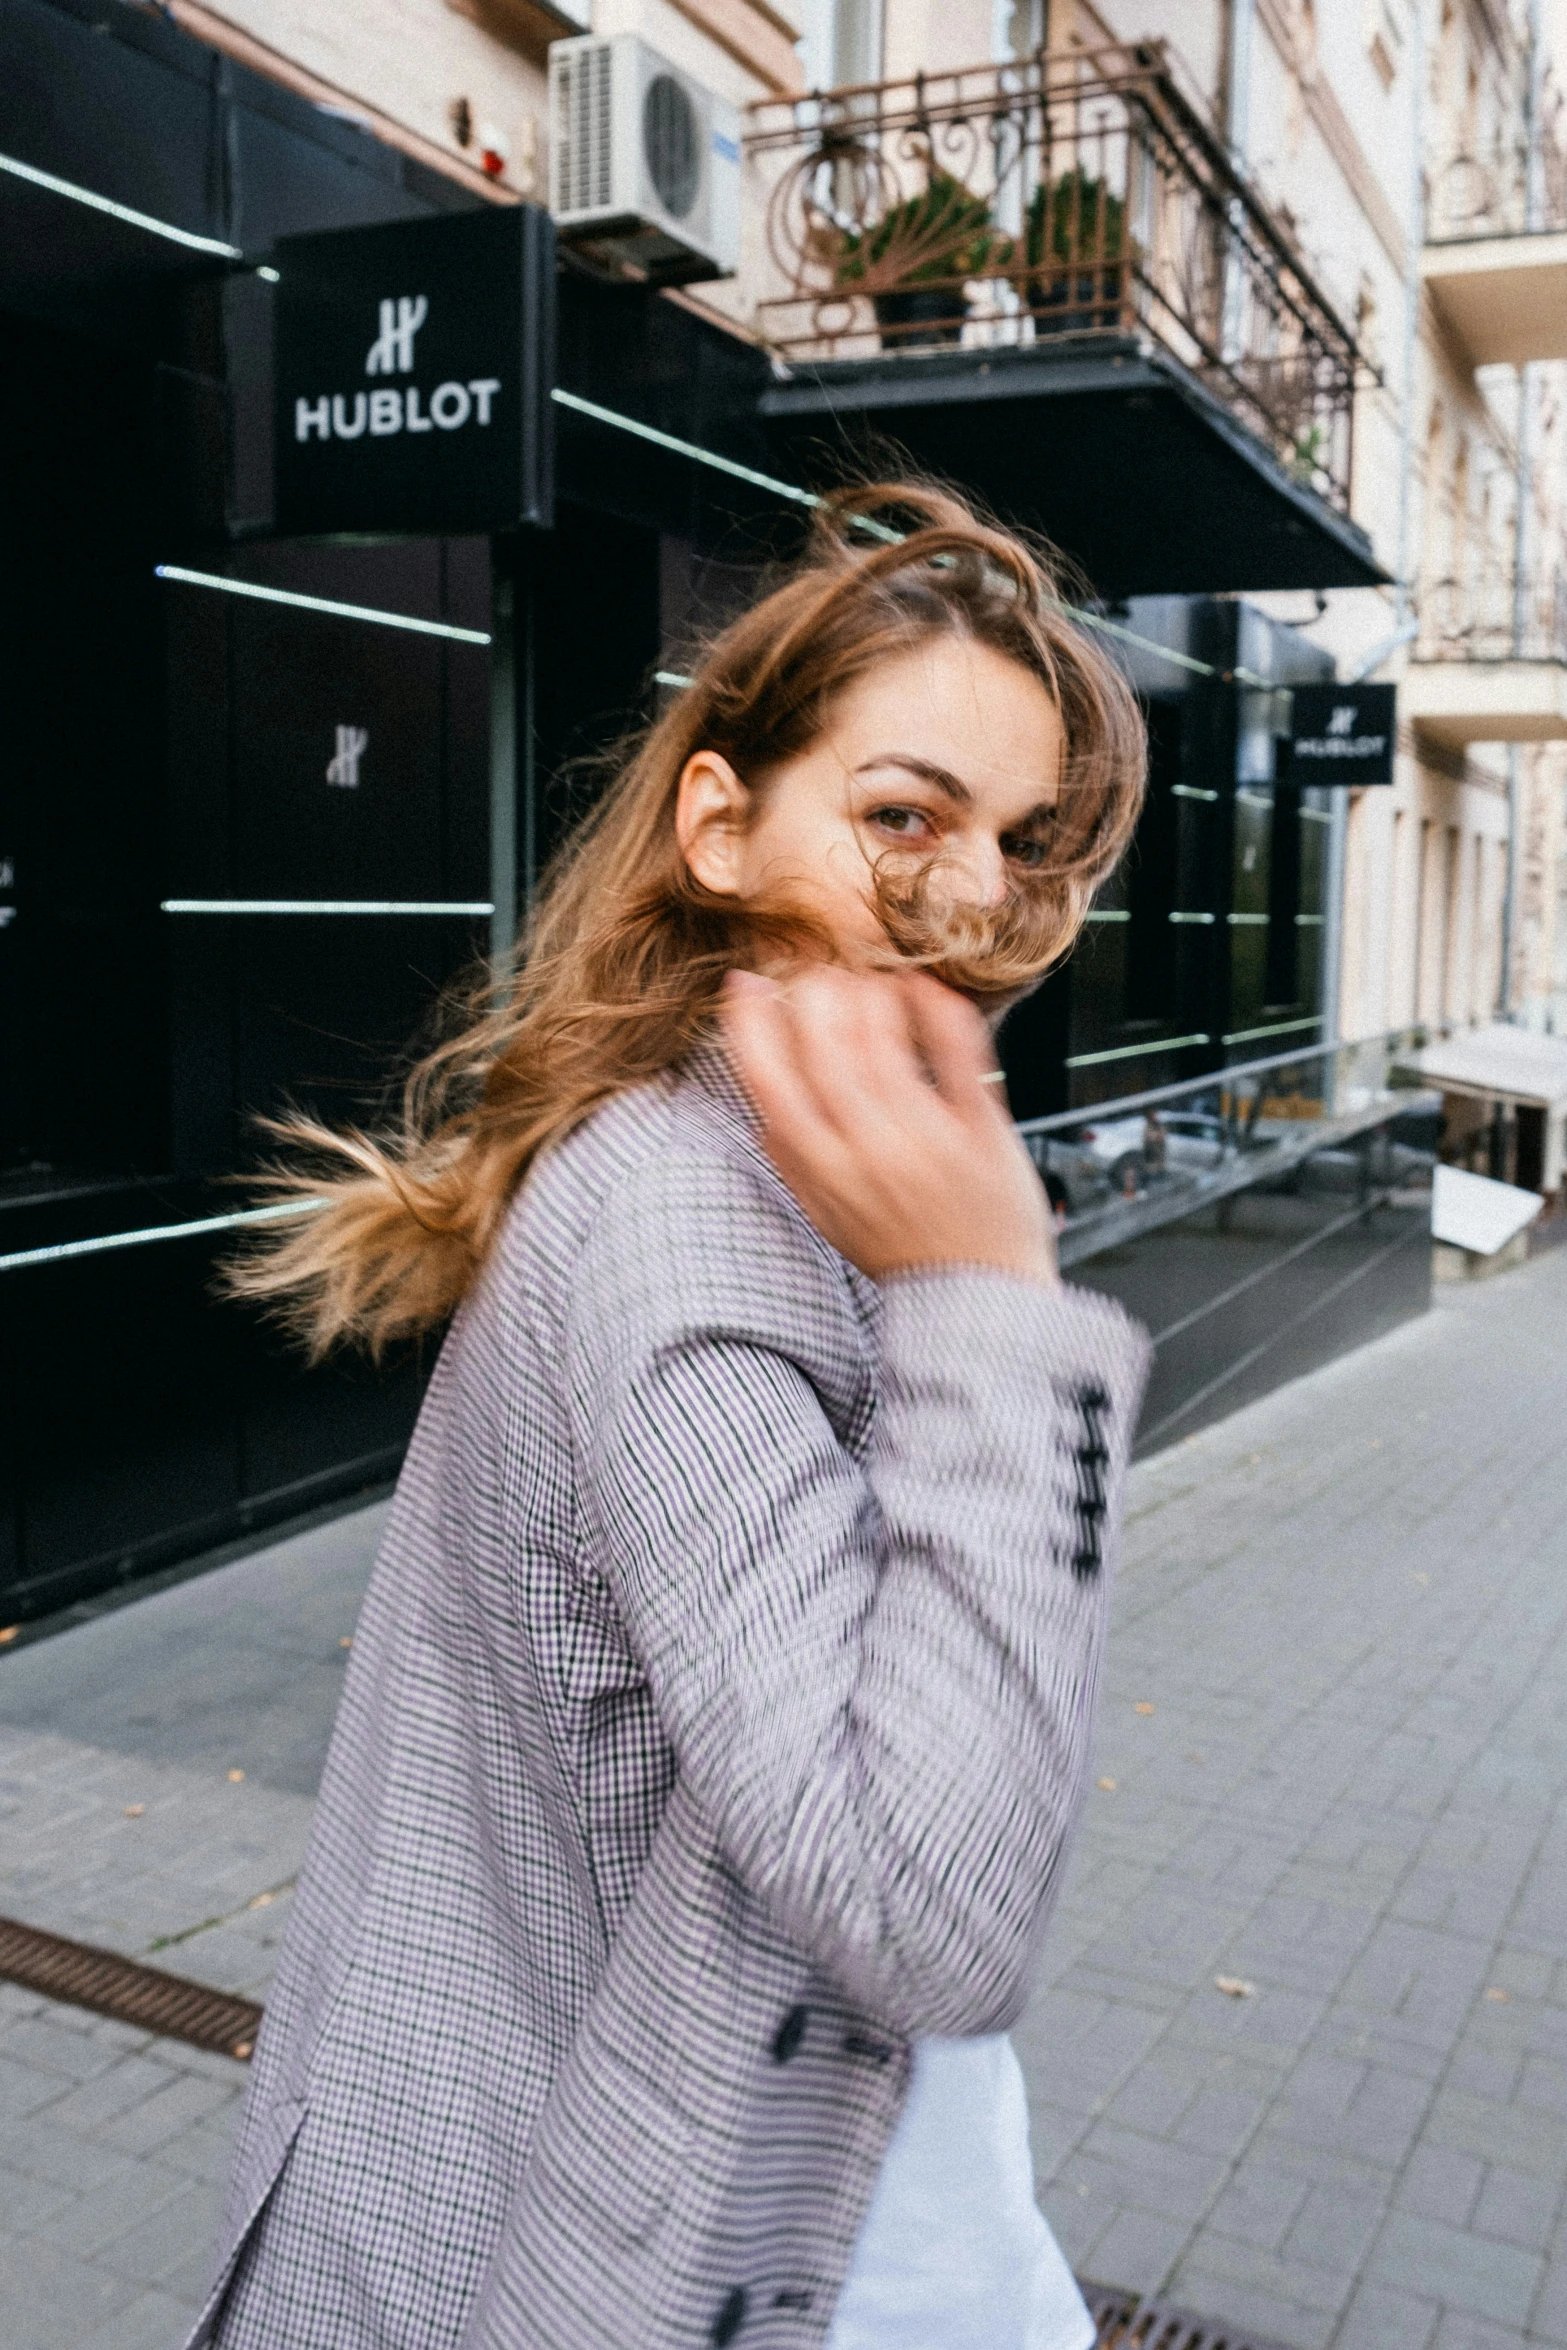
(177, 755)
(249, 839)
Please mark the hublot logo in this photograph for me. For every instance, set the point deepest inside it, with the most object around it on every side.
(343, 768)
(336, 416)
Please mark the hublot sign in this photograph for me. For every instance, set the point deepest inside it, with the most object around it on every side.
(1343, 733)
(413, 373)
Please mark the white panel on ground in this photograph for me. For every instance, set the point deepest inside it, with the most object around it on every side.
(1473, 1212)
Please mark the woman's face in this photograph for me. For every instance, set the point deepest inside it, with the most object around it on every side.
(948, 752)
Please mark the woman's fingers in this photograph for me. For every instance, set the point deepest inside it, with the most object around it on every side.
(953, 1040)
(876, 1112)
(764, 1051)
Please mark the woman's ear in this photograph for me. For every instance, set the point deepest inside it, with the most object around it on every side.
(712, 811)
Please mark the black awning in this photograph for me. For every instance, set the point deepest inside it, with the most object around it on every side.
(1111, 448)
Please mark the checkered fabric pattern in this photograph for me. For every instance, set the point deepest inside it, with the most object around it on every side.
(716, 1723)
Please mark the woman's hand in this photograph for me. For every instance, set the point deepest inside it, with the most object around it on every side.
(881, 1112)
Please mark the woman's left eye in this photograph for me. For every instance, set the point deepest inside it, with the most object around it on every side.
(1029, 852)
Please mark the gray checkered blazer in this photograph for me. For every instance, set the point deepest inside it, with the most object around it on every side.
(716, 1722)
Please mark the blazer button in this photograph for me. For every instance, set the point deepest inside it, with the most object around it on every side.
(789, 2034)
(730, 2318)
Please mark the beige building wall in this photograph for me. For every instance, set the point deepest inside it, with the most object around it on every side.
(462, 76)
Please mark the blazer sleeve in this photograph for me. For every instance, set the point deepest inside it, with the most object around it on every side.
(876, 1659)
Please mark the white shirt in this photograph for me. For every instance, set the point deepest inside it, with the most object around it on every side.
(954, 2253)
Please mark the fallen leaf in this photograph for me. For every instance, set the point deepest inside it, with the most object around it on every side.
(1109, 1786)
(1234, 1987)
(236, 1776)
(347, 1640)
(261, 1901)
(1194, 1758)
(242, 2049)
(1498, 1994)
(1142, 1706)
(1414, 1578)
(133, 1811)
(9, 1634)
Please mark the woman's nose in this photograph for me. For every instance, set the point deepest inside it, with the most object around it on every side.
(979, 872)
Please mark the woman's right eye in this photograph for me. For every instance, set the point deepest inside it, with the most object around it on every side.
(903, 823)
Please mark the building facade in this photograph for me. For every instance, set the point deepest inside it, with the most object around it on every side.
(1253, 310)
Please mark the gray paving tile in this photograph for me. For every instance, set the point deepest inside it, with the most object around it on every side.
(1517, 2207)
(1380, 2318)
(1474, 2275)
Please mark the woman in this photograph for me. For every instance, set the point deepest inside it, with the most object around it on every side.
(718, 1713)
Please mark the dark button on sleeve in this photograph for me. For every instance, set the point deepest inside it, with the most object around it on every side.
(789, 2034)
(730, 2318)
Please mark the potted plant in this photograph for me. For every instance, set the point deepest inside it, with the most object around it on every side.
(1075, 245)
(913, 260)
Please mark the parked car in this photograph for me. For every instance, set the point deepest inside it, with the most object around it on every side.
(1195, 1140)
(1100, 1157)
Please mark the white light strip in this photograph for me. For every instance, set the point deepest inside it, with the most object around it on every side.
(1203, 918)
(326, 906)
(1110, 914)
(1248, 921)
(1190, 791)
(271, 595)
(1279, 1028)
(133, 219)
(676, 678)
(149, 1232)
(680, 448)
(1134, 1052)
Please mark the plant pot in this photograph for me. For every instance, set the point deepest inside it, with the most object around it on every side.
(920, 315)
(1075, 302)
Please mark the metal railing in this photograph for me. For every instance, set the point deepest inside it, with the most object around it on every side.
(1507, 189)
(1069, 196)
(1127, 1167)
(1493, 616)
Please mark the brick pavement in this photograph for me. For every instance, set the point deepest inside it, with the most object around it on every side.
(120, 1824)
(1347, 1609)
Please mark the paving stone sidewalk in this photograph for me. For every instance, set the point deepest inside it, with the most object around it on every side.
(1331, 1765)
(157, 1769)
(1347, 1610)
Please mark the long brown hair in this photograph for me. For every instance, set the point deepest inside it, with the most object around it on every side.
(617, 975)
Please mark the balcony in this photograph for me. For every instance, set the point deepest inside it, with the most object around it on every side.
(1490, 661)
(1052, 274)
(1495, 256)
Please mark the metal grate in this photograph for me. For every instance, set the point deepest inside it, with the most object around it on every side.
(1126, 2322)
(131, 1993)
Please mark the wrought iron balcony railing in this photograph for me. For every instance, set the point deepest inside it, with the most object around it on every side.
(1492, 617)
(1080, 196)
(1508, 189)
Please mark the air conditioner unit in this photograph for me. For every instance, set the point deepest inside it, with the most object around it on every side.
(644, 164)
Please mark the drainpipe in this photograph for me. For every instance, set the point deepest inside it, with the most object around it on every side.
(1237, 77)
(1416, 237)
(1533, 214)
(1504, 1007)
(1237, 108)
(1534, 115)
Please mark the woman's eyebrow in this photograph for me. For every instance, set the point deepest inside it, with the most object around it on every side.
(942, 777)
